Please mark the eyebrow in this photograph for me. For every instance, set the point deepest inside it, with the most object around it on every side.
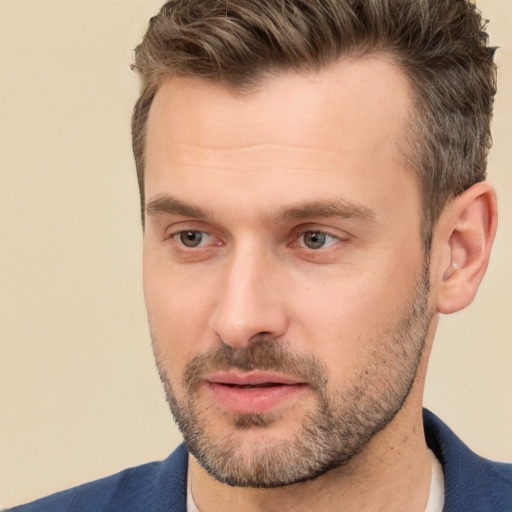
(167, 205)
(329, 208)
(339, 208)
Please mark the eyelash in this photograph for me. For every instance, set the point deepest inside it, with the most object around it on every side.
(303, 232)
(295, 239)
(175, 236)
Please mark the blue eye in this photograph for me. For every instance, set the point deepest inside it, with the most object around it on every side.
(191, 238)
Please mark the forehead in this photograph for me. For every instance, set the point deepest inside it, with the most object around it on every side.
(305, 134)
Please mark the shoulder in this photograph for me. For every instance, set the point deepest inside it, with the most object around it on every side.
(472, 483)
(154, 486)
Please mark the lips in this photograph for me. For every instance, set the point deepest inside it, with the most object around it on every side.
(253, 392)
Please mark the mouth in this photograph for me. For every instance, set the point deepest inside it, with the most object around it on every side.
(254, 392)
(252, 386)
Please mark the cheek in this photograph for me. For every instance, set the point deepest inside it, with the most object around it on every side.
(336, 328)
(345, 323)
(177, 314)
(174, 298)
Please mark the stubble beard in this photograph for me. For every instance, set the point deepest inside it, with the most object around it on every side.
(339, 426)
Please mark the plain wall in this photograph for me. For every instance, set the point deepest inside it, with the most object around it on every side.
(79, 394)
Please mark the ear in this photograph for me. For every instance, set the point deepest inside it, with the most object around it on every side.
(463, 240)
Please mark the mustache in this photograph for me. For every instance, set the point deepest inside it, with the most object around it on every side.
(260, 354)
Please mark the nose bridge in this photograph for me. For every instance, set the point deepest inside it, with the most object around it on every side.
(247, 302)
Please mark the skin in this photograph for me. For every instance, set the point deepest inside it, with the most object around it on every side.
(331, 136)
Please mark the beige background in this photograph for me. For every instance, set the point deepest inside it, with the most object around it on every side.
(79, 395)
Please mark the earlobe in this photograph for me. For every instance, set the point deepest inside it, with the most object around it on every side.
(465, 235)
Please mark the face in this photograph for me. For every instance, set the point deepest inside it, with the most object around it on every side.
(286, 287)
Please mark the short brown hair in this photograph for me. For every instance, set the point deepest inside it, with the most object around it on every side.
(441, 45)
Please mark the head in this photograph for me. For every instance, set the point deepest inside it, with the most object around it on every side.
(440, 45)
(294, 159)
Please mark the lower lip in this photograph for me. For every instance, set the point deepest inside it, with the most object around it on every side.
(255, 400)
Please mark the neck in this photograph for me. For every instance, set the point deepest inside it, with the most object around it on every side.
(393, 472)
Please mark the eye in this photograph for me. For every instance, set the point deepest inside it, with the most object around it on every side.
(317, 240)
(192, 238)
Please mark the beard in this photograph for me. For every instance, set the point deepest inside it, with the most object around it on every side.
(338, 426)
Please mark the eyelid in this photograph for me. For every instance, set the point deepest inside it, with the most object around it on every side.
(173, 231)
(330, 240)
(315, 228)
(175, 235)
(210, 239)
(178, 233)
(180, 226)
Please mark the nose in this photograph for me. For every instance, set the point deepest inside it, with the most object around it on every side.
(250, 301)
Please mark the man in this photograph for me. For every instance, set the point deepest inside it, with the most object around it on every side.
(312, 179)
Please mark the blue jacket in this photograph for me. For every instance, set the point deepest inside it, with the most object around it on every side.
(472, 484)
